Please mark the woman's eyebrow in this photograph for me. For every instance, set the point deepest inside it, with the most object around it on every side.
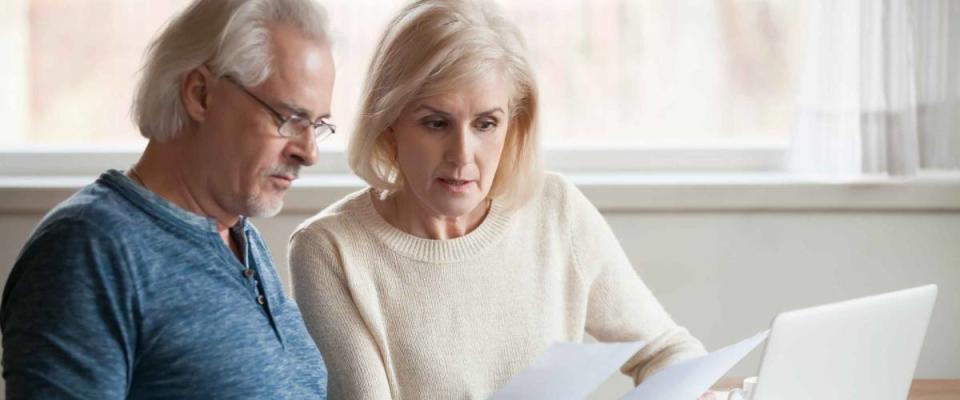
(444, 113)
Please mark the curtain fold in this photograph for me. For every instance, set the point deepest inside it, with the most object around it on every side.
(879, 88)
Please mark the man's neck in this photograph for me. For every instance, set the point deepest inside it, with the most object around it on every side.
(165, 171)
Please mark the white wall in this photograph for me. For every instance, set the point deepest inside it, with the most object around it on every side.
(14, 40)
(725, 274)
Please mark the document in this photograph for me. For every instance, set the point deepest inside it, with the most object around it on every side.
(568, 371)
(688, 379)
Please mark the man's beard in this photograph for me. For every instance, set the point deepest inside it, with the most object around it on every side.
(260, 206)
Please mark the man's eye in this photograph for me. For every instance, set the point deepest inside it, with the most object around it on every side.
(299, 122)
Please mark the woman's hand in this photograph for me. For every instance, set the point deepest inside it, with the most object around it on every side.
(708, 396)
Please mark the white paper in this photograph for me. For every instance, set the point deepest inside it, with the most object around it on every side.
(689, 379)
(568, 371)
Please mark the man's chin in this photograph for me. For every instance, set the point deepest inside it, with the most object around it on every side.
(258, 208)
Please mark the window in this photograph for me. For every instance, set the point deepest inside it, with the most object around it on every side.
(613, 73)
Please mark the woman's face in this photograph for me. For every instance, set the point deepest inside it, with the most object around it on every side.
(448, 147)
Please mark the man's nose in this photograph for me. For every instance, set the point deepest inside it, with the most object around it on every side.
(303, 149)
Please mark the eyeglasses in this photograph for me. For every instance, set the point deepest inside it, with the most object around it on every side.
(293, 125)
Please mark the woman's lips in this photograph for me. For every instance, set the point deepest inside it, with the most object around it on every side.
(456, 185)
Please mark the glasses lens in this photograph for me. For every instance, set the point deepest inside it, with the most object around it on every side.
(322, 131)
(294, 126)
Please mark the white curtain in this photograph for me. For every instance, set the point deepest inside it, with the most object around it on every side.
(880, 88)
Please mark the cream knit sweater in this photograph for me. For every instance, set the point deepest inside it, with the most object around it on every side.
(401, 317)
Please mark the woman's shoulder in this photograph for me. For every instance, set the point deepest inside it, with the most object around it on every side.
(561, 200)
(556, 200)
(555, 183)
(338, 216)
(557, 191)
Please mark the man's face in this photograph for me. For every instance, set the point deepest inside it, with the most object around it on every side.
(251, 166)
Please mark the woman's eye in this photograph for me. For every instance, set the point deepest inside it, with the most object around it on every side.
(435, 124)
(486, 125)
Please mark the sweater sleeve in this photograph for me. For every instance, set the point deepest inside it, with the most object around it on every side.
(356, 368)
(620, 305)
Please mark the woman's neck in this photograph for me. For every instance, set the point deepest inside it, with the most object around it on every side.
(399, 210)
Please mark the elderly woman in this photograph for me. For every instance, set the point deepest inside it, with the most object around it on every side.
(463, 261)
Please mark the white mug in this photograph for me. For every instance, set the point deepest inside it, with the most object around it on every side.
(746, 391)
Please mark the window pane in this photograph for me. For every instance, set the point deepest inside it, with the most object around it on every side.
(617, 72)
(611, 72)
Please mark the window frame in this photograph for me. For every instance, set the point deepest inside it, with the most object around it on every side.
(67, 162)
(735, 179)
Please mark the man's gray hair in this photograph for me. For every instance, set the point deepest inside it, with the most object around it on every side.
(231, 37)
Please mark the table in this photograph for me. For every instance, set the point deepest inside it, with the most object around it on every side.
(922, 389)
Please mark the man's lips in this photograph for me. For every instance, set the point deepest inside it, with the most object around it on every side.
(283, 181)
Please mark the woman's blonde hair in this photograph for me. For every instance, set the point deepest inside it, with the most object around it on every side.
(430, 48)
(230, 37)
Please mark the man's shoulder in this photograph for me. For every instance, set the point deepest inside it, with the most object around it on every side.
(95, 207)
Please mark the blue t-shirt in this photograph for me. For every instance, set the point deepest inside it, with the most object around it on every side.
(118, 293)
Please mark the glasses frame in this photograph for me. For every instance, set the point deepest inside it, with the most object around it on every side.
(321, 130)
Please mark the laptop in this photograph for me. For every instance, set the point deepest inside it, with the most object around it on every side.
(864, 348)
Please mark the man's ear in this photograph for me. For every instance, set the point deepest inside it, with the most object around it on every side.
(194, 92)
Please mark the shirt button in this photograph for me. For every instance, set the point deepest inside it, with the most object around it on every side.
(261, 300)
(248, 273)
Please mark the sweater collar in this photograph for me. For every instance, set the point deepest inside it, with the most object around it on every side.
(462, 248)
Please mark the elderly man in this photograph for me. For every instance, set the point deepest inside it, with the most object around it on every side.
(152, 283)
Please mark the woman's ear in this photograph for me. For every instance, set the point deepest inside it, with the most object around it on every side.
(195, 93)
(390, 138)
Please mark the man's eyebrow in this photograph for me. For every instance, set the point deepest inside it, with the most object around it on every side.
(301, 112)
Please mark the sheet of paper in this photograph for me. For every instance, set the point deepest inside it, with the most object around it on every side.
(568, 371)
(689, 379)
